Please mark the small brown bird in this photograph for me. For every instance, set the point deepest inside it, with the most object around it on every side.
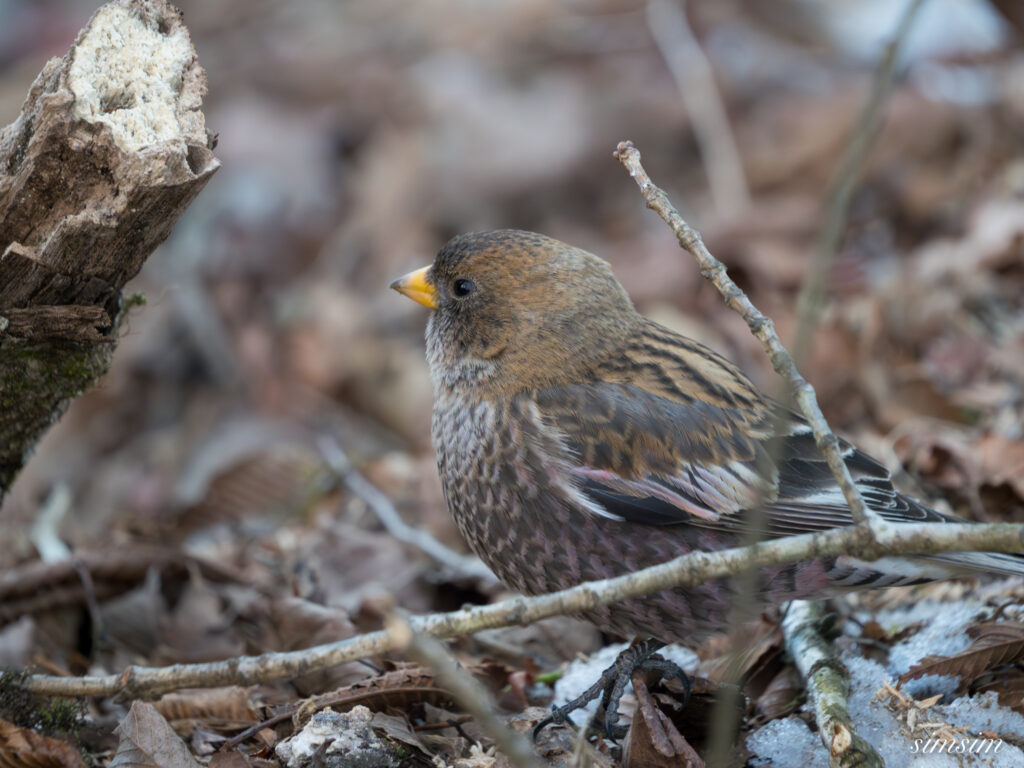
(578, 440)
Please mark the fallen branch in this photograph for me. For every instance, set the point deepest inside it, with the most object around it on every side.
(815, 658)
(686, 571)
(108, 151)
(460, 565)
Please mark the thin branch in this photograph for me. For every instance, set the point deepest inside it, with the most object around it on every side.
(815, 658)
(760, 325)
(466, 690)
(45, 531)
(692, 72)
(686, 571)
(840, 194)
(809, 309)
(385, 511)
(813, 654)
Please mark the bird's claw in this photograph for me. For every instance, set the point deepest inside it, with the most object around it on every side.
(612, 684)
(560, 714)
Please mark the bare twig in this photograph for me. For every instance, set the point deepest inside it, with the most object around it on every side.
(99, 631)
(814, 655)
(466, 690)
(691, 70)
(686, 571)
(761, 326)
(385, 511)
(812, 291)
(815, 658)
(837, 206)
(45, 531)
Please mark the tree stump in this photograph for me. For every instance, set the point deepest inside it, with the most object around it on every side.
(108, 151)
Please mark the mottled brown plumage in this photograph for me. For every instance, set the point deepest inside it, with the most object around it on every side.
(578, 440)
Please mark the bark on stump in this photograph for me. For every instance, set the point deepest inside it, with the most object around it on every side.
(108, 151)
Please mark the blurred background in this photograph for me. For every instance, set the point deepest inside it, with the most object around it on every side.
(357, 137)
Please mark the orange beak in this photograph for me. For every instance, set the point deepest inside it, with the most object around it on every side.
(416, 286)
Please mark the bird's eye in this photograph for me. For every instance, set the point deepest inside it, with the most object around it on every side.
(463, 287)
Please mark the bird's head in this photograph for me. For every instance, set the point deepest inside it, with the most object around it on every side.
(517, 310)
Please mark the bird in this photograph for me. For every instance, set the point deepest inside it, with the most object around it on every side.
(578, 440)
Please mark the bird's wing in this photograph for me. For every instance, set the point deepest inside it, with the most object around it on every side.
(679, 435)
(649, 459)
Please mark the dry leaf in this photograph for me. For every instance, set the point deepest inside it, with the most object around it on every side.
(781, 696)
(398, 690)
(398, 730)
(1002, 461)
(995, 644)
(226, 705)
(654, 741)
(233, 759)
(723, 655)
(293, 623)
(24, 748)
(1008, 685)
(147, 741)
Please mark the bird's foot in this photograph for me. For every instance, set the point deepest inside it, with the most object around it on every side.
(612, 683)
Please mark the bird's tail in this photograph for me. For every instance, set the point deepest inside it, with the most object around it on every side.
(974, 563)
(995, 563)
(853, 573)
